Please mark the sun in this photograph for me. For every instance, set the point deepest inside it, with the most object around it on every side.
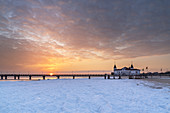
(51, 74)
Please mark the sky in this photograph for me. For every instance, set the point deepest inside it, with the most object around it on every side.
(73, 35)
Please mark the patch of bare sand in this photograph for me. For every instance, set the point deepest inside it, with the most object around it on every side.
(165, 81)
(159, 83)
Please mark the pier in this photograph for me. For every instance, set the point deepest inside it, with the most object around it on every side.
(73, 76)
(30, 76)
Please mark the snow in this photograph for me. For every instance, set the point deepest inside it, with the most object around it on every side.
(83, 96)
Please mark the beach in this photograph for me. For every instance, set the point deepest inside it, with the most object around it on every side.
(163, 81)
(158, 84)
(84, 96)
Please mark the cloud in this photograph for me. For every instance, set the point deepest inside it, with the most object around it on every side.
(83, 29)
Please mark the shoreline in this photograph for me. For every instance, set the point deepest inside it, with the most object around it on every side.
(159, 83)
(158, 80)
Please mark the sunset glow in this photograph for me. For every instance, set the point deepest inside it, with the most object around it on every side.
(50, 36)
(51, 74)
(84, 56)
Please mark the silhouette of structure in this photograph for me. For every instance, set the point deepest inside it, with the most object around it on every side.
(125, 71)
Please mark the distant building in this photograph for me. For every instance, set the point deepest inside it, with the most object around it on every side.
(126, 71)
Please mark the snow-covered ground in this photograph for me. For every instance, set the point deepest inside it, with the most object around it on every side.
(83, 96)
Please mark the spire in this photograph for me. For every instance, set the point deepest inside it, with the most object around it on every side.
(115, 66)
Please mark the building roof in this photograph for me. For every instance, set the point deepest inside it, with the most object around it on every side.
(125, 68)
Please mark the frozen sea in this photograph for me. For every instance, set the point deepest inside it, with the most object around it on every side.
(83, 96)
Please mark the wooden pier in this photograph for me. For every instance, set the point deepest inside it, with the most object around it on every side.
(58, 76)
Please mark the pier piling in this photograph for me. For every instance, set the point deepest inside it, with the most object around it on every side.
(29, 77)
(43, 77)
(104, 76)
(108, 77)
(58, 77)
(18, 77)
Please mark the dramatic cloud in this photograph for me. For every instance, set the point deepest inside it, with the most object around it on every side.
(36, 32)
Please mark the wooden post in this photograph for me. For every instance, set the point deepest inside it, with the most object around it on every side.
(89, 77)
(73, 77)
(58, 77)
(108, 77)
(15, 77)
(29, 77)
(1, 77)
(43, 77)
(119, 77)
(104, 76)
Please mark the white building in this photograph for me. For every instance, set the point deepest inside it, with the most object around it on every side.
(126, 71)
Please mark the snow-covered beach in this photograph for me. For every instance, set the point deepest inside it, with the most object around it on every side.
(83, 96)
